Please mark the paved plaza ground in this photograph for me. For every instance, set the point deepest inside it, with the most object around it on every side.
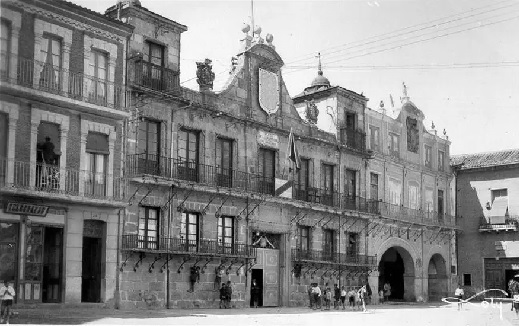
(384, 315)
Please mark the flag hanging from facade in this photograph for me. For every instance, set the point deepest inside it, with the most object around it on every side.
(292, 153)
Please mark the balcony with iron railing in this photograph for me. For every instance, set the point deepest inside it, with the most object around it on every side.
(180, 246)
(352, 138)
(51, 79)
(322, 256)
(147, 75)
(53, 181)
(501, 223)
(405, 214)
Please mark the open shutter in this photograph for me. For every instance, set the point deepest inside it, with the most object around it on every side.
(311, 175)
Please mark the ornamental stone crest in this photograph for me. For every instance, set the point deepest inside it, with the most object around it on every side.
(311, 112)
(268, 96)
(205, 74)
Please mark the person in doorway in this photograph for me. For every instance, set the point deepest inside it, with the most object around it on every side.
(458, 293)
(228, 294)
(223, 296)
(336, 296)
(343, 297)
(255, 293)
(387, 291)
(6, 296)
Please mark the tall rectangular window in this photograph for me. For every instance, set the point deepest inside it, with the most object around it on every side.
(266, 169)
(374, 138)
(148, 147)
(303, 243)
(97, 83)
(329, 244)
(189, 231)
(414, 196)
(441, 208)
(5, 48)
(224, 154)
(50, 61)
(352, 239)
(350, 189)
(96, 158)
(148, 227)
(428, 156)
(152, 69)
(395, 191)
(303, 178)
(328, 184)
(467, 279)
(226, 233)
(188, 154)
(394, 144)
(373, 186)
(441, 161)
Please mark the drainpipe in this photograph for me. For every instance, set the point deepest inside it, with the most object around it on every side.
(169, 239)
(117, 272)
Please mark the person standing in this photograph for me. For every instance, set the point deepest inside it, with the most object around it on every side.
(218, 274)
(387, 291)
(513, 287)
(228, 294)
(336, 296)
(343, 297)
(311, 296)
(6, 295)
(458, 293)
(362, 293)
(223, 296)
(255, 293)
(351, 298)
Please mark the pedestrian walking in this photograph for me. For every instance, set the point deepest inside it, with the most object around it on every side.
(343, 297)
(336, 296)
(223, 296)
(7, 295)
(228, 294)
(387, 291)
(458, 293)
(362, 293)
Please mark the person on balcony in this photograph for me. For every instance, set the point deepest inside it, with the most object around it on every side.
(47, 150)
(263, 242)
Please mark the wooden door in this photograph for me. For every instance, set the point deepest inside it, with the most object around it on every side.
(91, 274)
(270, 260)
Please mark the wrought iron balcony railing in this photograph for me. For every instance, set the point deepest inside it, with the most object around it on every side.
(56, 80)
(53, 179)
(510, 223)
(406, 214)
(352, 138)
(321, 256)
(152, 76)
(181, 246)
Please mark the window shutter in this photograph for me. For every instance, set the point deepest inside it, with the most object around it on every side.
(218, 154)
(236, 229)
(311, 180)
(201, 147)
(97, 143)
(200, 226)
(336, 179)
(235, 158)
(322, 176)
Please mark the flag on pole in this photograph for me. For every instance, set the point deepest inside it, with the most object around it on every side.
(392, 102)
(292, 153)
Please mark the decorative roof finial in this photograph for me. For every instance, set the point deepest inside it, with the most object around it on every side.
(432, 125)
(405, 98)
(319, 68)
(444, 132)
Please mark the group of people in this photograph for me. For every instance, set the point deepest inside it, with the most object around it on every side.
(322, 299)
(225, 295)
(513, 288)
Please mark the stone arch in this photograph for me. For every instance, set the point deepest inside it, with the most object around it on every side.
(396, 262)
(437, 276)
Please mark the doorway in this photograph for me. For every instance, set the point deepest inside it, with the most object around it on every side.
(257, 274)
(52, 264)
(396, 267)
(91, 275)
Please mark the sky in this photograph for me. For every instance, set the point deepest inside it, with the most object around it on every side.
(458, 58)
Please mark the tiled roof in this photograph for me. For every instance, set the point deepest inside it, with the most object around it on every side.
(482, 160)
(100, 15)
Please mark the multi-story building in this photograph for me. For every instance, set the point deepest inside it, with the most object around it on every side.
(62, 108)
(487, 197)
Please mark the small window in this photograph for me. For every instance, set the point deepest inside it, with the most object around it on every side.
(374, 186)
(226, 233)
(189, 231)
(394, 146)
(148, 227)
(441, 161)
(374, 138)
(303, 242)
(467, 279)
(428, 156)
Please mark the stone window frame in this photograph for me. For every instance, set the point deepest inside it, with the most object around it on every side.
(441, 160)
(15, 21)
(37, 116)
(86, 127)
(416, 184)
(110, 49)
(377, 142)
(11, 109)
(42, 27)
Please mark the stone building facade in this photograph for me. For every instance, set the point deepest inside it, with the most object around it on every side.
(487, 189)
(62, 108)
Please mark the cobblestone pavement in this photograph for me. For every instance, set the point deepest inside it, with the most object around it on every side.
(401, 315)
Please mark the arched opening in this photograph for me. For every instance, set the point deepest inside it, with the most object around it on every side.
(396, 268)
(437, 282)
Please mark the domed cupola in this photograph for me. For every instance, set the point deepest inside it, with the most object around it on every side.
(319, 82)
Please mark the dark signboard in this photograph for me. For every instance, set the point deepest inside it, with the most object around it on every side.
(26, 209)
